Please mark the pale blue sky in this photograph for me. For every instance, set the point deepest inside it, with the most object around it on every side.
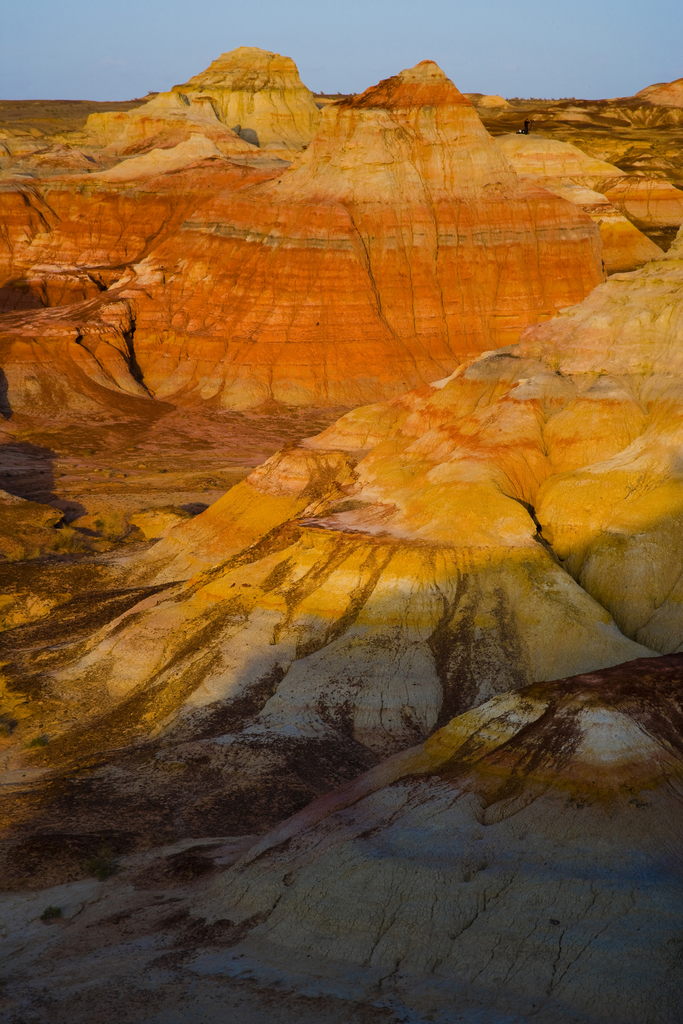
(119, 49)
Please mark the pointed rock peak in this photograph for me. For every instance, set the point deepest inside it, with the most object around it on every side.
(425, 71)
(424, 85)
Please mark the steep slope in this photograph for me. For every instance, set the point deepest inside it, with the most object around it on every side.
(400, 243)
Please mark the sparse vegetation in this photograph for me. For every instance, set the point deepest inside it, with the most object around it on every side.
(102, 865)
(38, 741)
(7, 725)
(51, 913)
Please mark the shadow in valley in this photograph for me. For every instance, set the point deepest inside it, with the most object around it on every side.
(5, 407)
(27, 471)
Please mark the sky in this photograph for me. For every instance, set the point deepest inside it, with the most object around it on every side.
(591, 49)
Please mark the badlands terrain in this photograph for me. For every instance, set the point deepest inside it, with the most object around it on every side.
(340, 537)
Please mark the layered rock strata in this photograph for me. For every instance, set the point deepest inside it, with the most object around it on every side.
(524, 859)
(513, 523)
(69, 239)
(608, 195)
(400, 243)
(664, 94)
(71, 362)
(247, 97)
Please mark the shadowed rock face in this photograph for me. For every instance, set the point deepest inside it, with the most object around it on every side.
(523, 861)
(400, 243)
(515, 862)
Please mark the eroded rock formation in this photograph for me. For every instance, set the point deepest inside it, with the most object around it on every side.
(399, 243)
(664, 94)
(71, 238)
(513, 523)
(525, 860)
(247, 97)
(601, 190)
(503, 832)
(392, 606)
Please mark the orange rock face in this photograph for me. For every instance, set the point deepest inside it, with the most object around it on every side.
(399, 243)
(72, 361)
(66, 239)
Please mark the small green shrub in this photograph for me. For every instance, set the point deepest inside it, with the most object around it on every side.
(51, 913)
(102, 865)
(38, 741)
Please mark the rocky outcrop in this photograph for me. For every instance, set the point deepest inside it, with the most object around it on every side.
(74, 361)
(260, 94)
(480, 100)
(400, 243)
(524, 860)
(478, 870)
(592, 185)
(664, 94)
(513, 523)
(648, 202)
(68, 239)
(247, 97)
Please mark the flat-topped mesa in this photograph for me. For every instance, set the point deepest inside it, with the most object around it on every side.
(246, 98)
(399, 243)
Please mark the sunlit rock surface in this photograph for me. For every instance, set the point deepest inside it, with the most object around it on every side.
(513, 523)
(247, 97)
(390, 604)
(400, 243)
(664, 94)
(568, 172)
(71, 238)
